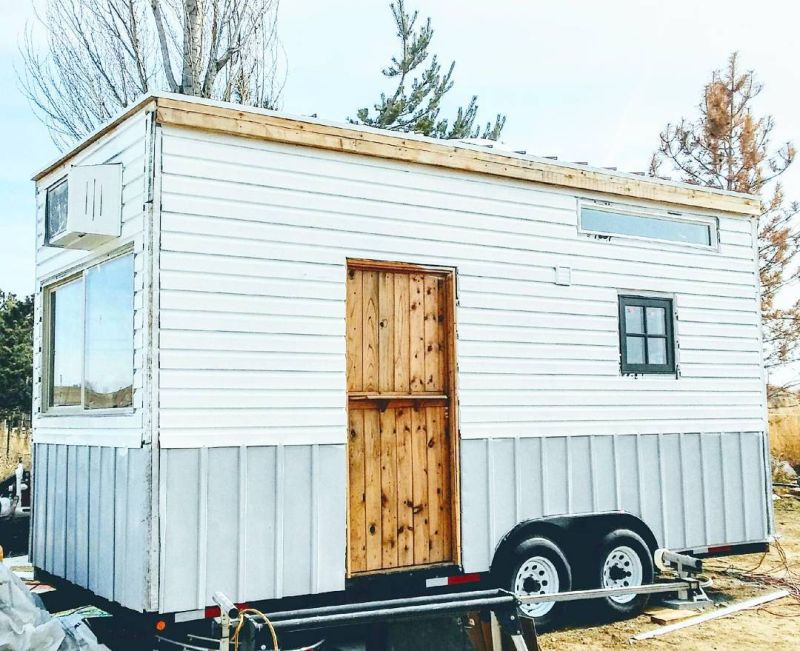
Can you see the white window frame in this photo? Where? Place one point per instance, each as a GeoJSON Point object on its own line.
{"type": "Point", "coordinates": [46, 408]}
{"type": "Point", "coordinates": [639, 211]}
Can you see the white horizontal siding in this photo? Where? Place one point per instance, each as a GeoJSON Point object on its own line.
{"type": "Point", "coordinates": [124, 145]}
{"type": "Point", "coordinates": [253, 248]}
{"type": "Point", "coordinates": [242, 164]}
{"type": "Point", "coordinates": [504, 250]}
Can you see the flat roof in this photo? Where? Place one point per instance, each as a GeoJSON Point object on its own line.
{"type": "Point", "coordinates": [261, 124]}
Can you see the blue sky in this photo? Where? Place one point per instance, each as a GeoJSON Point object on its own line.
{"type": "Point", "coordinates": [587, 81]}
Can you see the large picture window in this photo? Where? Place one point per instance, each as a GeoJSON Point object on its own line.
{"type": "Point", "coordinates": [91, 338]}
{"type": "Point", "coordinates": [646, 335]}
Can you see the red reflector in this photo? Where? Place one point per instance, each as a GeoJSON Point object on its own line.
{"type": "Point", "coordinates": [463, 578]}
{"type": "Point", "coordinates": [161, 625]}
{"type": "Point", "coordinates": [213, 611]}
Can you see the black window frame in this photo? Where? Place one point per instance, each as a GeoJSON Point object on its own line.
{"type": "Point", "coordinates": [669, 335]}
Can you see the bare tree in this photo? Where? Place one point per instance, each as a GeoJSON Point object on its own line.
{"type": "Point", "coordinates": [100, 55]}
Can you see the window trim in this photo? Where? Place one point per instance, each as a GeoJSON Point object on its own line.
{"type": "Point", "coordinates": [639, 211]}
{"type": "Point", "coordinates": [668, 305]}
{"type": "Point", "coordinates": [46, 366]}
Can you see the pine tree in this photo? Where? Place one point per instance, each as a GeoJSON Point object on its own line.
{"type": "Point", "coordinates": [415, 104]}
{"type": "Point", "coordinates": [16, 355]}
{"type": "Point", "coordinates": [729, 148]}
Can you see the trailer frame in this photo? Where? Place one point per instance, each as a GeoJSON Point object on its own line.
{"type": "Point", "coordinates": [503, 606]}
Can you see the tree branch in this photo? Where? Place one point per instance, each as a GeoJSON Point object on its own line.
{"type": "Point", "coordinates": [166, 63]}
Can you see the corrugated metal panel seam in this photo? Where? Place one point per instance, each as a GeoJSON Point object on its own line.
{"type": "Point", "coordinates": [657, 472]}
{"type": "Point", "coordinates": [273, 525]}
{"type": "Point", "coordinates": [88, 521]}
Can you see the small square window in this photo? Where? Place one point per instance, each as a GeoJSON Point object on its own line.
{"type": "Point", "coordinates": [646, 335]}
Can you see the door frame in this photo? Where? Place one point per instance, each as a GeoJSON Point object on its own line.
{"type": "Point", "coordinates": [451, 361]}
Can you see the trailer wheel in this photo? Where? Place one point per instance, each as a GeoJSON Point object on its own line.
{"type": "Point", "coordinates": [539, 567]}
{"type": "Point", "coordinates": [623, 560]}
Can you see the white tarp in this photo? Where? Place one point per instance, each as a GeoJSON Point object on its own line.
{"type": "Point", "coordinates": [26, 625]}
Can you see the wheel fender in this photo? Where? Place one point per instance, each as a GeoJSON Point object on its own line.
{"type": "Point", "coordinates": [570, 534]}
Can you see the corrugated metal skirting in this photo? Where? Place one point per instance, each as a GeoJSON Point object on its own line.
{"type": "Point", "coordinates": [91, 519]}
{"type": "Point", "coordinates": [255, 522]}
{"type": "Point", "coordinates": [264, 522]}
{"type": "Point", "coordinates": [693, 490]}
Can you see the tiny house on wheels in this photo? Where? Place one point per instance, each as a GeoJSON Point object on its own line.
{"type": "Point", "coordinates": [277, 357]}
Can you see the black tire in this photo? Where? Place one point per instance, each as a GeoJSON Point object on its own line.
{"type": "Point", "coordinates": [622, 570]}
{"type": "Point", "coordinates": [531, 560]}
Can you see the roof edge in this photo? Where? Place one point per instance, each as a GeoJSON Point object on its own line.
{"type": "Point", "coordinates": [140, 105]}
{"type": "Point", "coordinates": [250, 122]}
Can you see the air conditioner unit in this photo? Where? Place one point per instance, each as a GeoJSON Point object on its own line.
{"type": "Point", "coordinates": [85, 209]}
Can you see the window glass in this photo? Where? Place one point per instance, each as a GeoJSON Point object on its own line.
{"type": "Point", "coordinates": [109, 335]}
{"type": "Point", "coordinates": [91, 338]}
{"type": "Point", "coordinates": [56, 210]}
{"type": "Point", "coordinates": [656, 351]}
{"type": "Point", "coordinates": [66, 364]}
{"type": "Point", "coordinates": [635, 350]}
{"type": "Point", "coordinates": [633, 319]}
{"type": "Point", "coordinates": [658, 228]}
{"type": "Point", "coordinates": [656, 320]}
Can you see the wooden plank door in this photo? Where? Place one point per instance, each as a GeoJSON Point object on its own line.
{"type": "Point", "coordinates": [402, 444]}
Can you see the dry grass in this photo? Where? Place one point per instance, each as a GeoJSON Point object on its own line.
{"type": "Point", "coordinates": [784, 432]}
{"type": "Point", "coordinates": [784, 436]}
{"type": "Point", "coordinates": [18, 443]}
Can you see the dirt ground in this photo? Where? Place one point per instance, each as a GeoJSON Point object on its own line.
{"type": "Point", "coordinates": [775, 626]}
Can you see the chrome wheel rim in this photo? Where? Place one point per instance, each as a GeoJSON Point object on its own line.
{"type": "Point", "coordinates": [622, 568]}
{"type": "Point", "coordinates": [536, 576]}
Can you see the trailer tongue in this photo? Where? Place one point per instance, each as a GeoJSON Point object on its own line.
{"type": "Point", "coordinates": [249, 629]}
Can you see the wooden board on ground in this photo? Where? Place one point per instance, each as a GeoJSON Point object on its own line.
{"type": "Point", "coordinates": [669, 615]}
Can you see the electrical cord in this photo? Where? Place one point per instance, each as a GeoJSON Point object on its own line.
{"type": "Point", "coordinates": [782, 574]}
{"type": "Point", "coordinates": [253, 611]}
